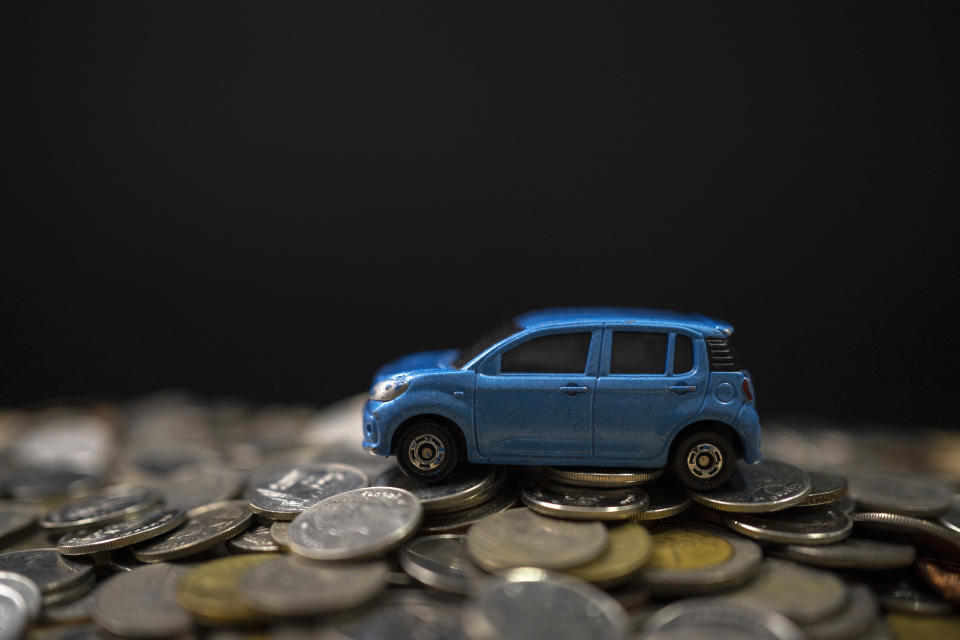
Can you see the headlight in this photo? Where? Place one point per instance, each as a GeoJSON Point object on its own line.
{"type": "Point", "coordinates": [388, 389]}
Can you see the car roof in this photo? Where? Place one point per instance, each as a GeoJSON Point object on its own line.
{"type": "Point", "coordinates": [594, 315]}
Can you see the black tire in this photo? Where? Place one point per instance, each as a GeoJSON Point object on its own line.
{"type": "Point", "coordinates": [704, 460]}
{"type": "Point", "coordinates": [428, 451]}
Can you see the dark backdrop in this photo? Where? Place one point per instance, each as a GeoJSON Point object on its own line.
{"type": "Point", "coordinates": [269, 200]}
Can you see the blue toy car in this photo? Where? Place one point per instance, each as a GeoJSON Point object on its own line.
{"type": "Point", "coordinates": [573, 387]}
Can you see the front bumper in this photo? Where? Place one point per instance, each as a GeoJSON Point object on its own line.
{"type": "Point", "coordinates": [373, 440]}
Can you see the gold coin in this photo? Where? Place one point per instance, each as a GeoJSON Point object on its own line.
{"type": "Point", "coordinates": [920, 627]}
{"type": "Point", "coordinates": [688, 549]}
{"type": "Point", "coordinates": [209, 592]}
{"type": "Point", "coordinates": [628, 549]}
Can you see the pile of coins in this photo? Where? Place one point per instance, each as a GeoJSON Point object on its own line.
{"type": "Point", "coordinates": [169, 518]}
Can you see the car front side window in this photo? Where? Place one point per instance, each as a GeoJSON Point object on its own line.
{"type": "Point", "coordinates": [553, 353]}
{"type": "Point", "coordinates": [639, 352]}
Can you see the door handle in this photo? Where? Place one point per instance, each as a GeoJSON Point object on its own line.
{"type": "Point", "coordinates": [682, 388]}
{"type": "Point", "coordinates": [572, 391]}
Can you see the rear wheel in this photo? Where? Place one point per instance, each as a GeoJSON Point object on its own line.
{"type": "Point", "coordinates": [704, 460]}
{"type": "Point", "coordinates": [428, 451]}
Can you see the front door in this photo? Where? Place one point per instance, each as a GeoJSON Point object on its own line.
{"type": "Point", "coordinates": [535, 398]}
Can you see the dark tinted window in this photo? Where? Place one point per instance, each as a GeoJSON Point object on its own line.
{"type": "Point", "coordinates": [555, 353]}
{"type": "Point", "coordinates": [682, 354]}
{"type": "Point", "coordinates": [500, 333]}
{"type": "Point", "coordinates": [638, 352]}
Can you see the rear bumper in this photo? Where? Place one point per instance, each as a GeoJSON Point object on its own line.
{"type": "Point", "coordinates": [747, 425]}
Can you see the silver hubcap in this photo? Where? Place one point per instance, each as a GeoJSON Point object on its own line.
{"type": "Point", "coordinates": [704, 461]}
{"type": "Point", "coordinates": [426, 452]}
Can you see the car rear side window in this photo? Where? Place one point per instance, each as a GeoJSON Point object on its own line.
{"type": "Point", "coordinates": [682, 354]}
{"type": "Point", "coordinates": [638, 352]}
{"type": "Point", "coordinates": [554, 353]}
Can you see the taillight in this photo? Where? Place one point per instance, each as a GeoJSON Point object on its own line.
{"type": "Point", "coordinates": [747, 391]}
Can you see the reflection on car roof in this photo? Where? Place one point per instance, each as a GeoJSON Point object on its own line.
{"type": "Point", "coordinates": [588, 315]}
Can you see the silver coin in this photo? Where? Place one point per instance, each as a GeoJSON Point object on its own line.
{"type": "Point", "coordinates": [463, 490]}
{"type": "Point", "coordinates": [14, 614]}
{"type": "Point", "coordinates": [769, 485]}
{"type": "Point", "coordinates": [254, 540]}
{"type": "Point", "coordinates": [441, 562]}
{"type": "Point", "coordinates": [909, 595]}
{"type": "Point", "coordinates": [72, 594]}
{"type": "Point", "coordinates": [280, 534]}
{"type": "Point", "coordinates": [802, 594]}
{"type": "Point", "coordinates": [522, 538]}
{"type": "Point", "coordinates": [714, 619]}
{"type": "Point", "coordinates": [142, 604]}
{"type": "Point", "coordinates": [400, 614]}
{"type": "Point", "coordinates": [602, 477]}
{"type": "Point", "coordinates": [107, 506]}
{"type": "Point", "coordinates": [193, 488]}
{"type": "Point", "coordinates": [288, 586]}
{"type": "Point", "coordinates": [356, 524]}
{"type": "Point", "coordinates": [28, 590]}
{"type": "Point", "coordinates": [76, 610]}
{"type": "Point", "coordinates": [951, 518]}
{"type": "Point", "coordinates": [582, 503]}
{"type": "Point", "coordinates": [824, 488]}
{"type": "Point", "coordinates": [15, 519]}
{"type": "Point", "coordinates": [858, 616]}
{"type": "Point", "coordinates": [205, 527]}
{"type": "Point", "coordinates": [852, 553]}
{"type": "Point", "coordinates": [822, 524]}
{"type": "Point", "coordinates": [284, 493]}
{"type": "Point", "coordinates": [460, 520]}
{"type": "Point", "coordinates": [925, 535]}
{"type": "Point", "coordinates": [666, 501]}
{"type": "Point", "coordinates": [533, 603]}
{"type": "Point", "coordinates": [845, 504]}
{"type": "Point", "coordinates": [121, 534]}
{"type": "Point", "coordinates": [48, 570]}
{"type": "Point", "coordinates": [906, 495]}
{"type": "Point", "coordinates": [38, 485]}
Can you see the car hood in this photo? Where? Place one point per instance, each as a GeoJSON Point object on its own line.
{"type": "Point", "coordinates": [417, 363]}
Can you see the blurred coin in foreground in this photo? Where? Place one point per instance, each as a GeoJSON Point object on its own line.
{"type": "Point", "coordinates": [289, 586]}
{"type": "Point", "coordinates": [711, 619]}
{"type": "Point", "coordinates": [121, 534]}
{"type": "Point", "coordinates": [581, 503]}
{"type": "Point", "coordinates": [600, 477]}
{"type": "Point", "coordinates": [441, 562]}
{"type": "Point", "coordinates": [104, 507]}
{"type": "Point", "coordinates": [15, 518]}
{"type": "Point", "coordinates": [142, 603]}
{"type": "Point", "coordinates": [356, 524]}
{"type": "Point", "coordinates": [254, 540]}
{"type": "Point", "coordinates": [27, 589]}
{"type": "Point", "coordinates": [951, 518]}
{"type": "Point", "coordinates": [852, 553]}
{"type": "Point", "coordinates": [280, 534]}
{"type": "Point", "coordinates": [769, 485]}
{"type": "Point", "coordinates": [205, 527]}
{"type": "Point", "coordinates": [906, 495]}
{"type": "Point", "coordinates": [462, 490]}
{"type": "Point", "coordinates": [928, 537]}
{"type": "Point", "coordinates": [48, 569]}
{"type": "Point", "coordinates": [533, 603]}
{"type": "Point", "coordinates": [283, 493]}
{"type": "Point", "coordinates": [923, 627]}
{"type": "Point", "coordinates": [210, 592]}
{"type": "Point", "coordinates": [192, 488]}
{"type": "Point", "coordinates": [824, 488]}
{"type": "Point", "coordinates": [823, 524]}
{"type": "Point", "coordinates": [14, 614]}
{"type": "Point", "coordinates": [856, 617]}
{"type": "Point", "coordinates": [666, 500]}
{"type": "Point", "coordinates": [907, 593]}
{"type": "Point", "coordinates": [400, 614]}
{"type": "Point", "coordinates": [629, 547]}
{"type": "Point", "coordinates": [943, 577]}
{"type": "Point", "coordinates": [522, 538]}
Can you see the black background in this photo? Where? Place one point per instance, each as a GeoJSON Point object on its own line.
{"type": "Point", "coordinates": [269, 200]}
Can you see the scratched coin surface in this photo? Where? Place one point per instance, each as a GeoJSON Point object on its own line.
{"type": "Point", "coordinates": [210, 592]}
{"type": "Point", "coordinates": [48, 569]}
{"type": "Point", "coordinates": [852, 553]}
{"type": "Point", "coordinates": [582, 503]}
{"type": "Point", "coordinates": [142, 603]}
{"type": "Point", "coordinates": [282, 494]}
{"type": "Point", "coordinates": [824, 488]}
{"type": "Point", "coordinates": [205, 527]}
{"type": "Point", "coordinates": [462, 490]}
{"type": "Point", "coordinates": [522, 538]}
{"type": "Point", "coordinates": [821, 524]}
{"type": "Point", "coordinates": [256, 539]}
{"type": "Point", "coordinates": [769, 485]}
{"type": "Point", "coordinates": [107, 506]}
{"type": "Point", "coordinates": [121, 534]}
{"type": "Point", "coordinates": [356, 524]}
{"type": "Point", "coordinates": [905, 495]}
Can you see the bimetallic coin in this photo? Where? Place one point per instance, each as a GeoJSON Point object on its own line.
{"type": "Point", "coordinates": [824, 488]}
{"type": "Point", "coordinates": [533, 603]}
{"type": "Point", "coordinates": [802, 594]}
{"type": "Point", "coordinates": [714, 619]}
{"type": "Point", "coordinates": [48, 570]}
{"type": "Point", "coordinates": [852, 553]}
{"type": "Point", "coordinates": [522, 538]}
{"type": "Point", "coordinates": [823, 524]}
{"type": "Point", "coordinates": [356, 524]}
{"type": "Point", "coordinates": [691, 559]}
{"type": "Point", "coordinates": [951, 518]}
{"type": "Point", "coordinates": [105, 507]}
{"type": "Point", "coordinates": [769, 485]}
{"type": "Point", "coordinates": [629, 547]}
{"type": "Point", "coordinates": [205, 527]}
{"type": "Point", "coordinates": [210, 592]}
{"type": "Point", "coordinates": [27, 589]}
{"type": "Point", "coordinates": [943, 577]}
{"type": "Point", "coordinates": [458, 521]}
{"type": "Point", "coordinates": [461, 491]}
{"type": "Point", "coordinates": [582, 503]}
{"type": "Point", "coordinates": [193, 488]}
{"type": "Point", "coordinates": [441, 562]}
{"type": "Point", "coordinates": [280, 534]}
{"type": "Point", "coordinates": [602, 477]}
{"type": "Point", "coordinates": [15, 519]}
{"type": "Point", "coordinates": [927, 536]}
{"type": "Point", "coordinates": [254, 540]}
{"type": "Point", "coordinates": [284, 493]}
{"type": "Point", "coordinates": [142, 604]}
{"type": "Point", "coordinates": [121, 534]}
{"type": "Point", "coordinates": [905, 495]}
{"type": "Point", "coordinates": [288, 586]}
{"type": "Point", "coordinates": [666, 500]}
{"type": "Point", "coordinates": [14, 614]}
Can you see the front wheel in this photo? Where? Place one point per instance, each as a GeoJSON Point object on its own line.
{"type": "Point", "coordinates": [428, 452]}
{"type": "Point", "coordinates": [704, 460]}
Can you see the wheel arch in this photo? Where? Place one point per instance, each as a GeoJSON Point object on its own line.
{"type": "Point", "coordinates": [712, 426]}
{"type": "Point", "coordinates": [429, 417]}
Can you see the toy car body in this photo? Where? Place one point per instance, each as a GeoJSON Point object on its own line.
{"type": "Point", "coordinates": [573, 387]}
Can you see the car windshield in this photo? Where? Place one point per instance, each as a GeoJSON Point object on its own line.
{"type": "Point", "coordinates": [505, 330]}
